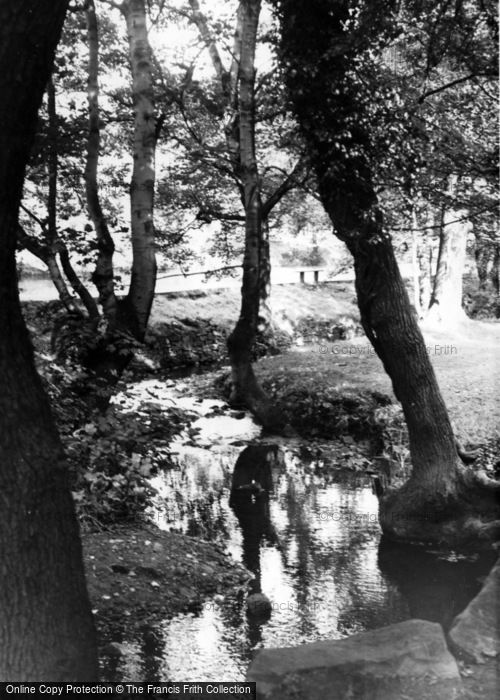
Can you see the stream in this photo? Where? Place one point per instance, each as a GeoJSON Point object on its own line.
{"type": "Point", "coordinates": [309, 533]}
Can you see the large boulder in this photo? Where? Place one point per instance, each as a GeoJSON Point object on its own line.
{"type": "Point", "coordinates": [475, 633]}
{"type": "Point", "coordinates": [408, 660]}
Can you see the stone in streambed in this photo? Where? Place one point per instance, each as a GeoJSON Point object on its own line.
{"type": "Point", "coordinates": [475, 633]}
{"type": "Point", "coordinates": [408, 660]}
{"type": "Point", "coordinates": [259, 606]}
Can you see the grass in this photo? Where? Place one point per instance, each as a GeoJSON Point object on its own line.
{"type": "Point", "coordinates": [222, 306]}
{"type": "Point", "coordinates": [465, 360]}
{"type": "Point", "coordinates": [469, 378]}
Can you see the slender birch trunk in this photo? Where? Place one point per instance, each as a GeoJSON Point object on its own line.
{"type": "Point", "coordinates": [139, 299]}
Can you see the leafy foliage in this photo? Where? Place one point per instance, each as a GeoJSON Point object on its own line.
{"type": "Point", "coordinates": [111, 455]}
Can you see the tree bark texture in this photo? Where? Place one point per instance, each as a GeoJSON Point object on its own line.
{"type": "Point", "coordinates": [142, 285]}
{"type": "Point", "coordinates": [46, 627]}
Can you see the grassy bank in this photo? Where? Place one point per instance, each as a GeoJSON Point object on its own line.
{"type": "Point", "coordinates": [292, 302]}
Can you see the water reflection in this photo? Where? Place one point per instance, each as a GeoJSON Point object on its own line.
{"type": "Point", "coordinates": [251, 485]}
{"type": "Point", "coordinates": [436, 586]}
{"type": "Point", "coordinates": [310, 535]}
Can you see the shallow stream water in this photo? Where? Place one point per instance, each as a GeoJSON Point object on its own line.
{"type": "Point", "coordinates": [310, 535]}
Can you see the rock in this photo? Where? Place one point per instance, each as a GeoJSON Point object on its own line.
{"type": "Point", "coordinates": [113, 650]}
{"type": "Point", "coordinates": [475, 633]}
{"type": "Point", "coordinates": [408, 660]}
{"type": "Point", "coordinates": [120, 569]}
{"type": "Point", "coordinates": [259, 605]}
{"type": "Point", "coordinates": [239, 415]}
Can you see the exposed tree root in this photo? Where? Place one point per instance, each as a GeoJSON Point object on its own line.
{"type": "Point", "coordinates": [460, 514]}
{"type": "Point", "coordinates": [247, 393]}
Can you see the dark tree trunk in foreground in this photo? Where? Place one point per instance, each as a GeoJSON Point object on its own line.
{"type": "Point", "coordinates": [46, 627]}
{"type": "Point", "coordinates": [318, 56]}
{"type": "Point", "coordinates": [245, 388]}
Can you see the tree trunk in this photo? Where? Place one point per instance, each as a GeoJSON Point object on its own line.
{"type": "Point", "coordinates": [54, 245]}
{"type": "Point", "coordinates": [424, 255]}
{"type": "Point", "coordinates": [482, 256]}
{"type": "Point", "coordinates": [46, 627]}
{"type": "Point", "coordinates": [317, 56]}
{"type": "Point", "coordinates": [103, 275]}
{"type": "Point", "coordinates": [231, 87]}
{"type": "Point", "coordinates": [245, 388]}
{"type": "Point", "coordinates": [265, 320]}
{"type": "Point", "coordinates": [446, 300]}
{"type": "Point", "coordinates": [495, 269]}
{"type": "Point", "coordinates": [59, 283]}
{"type": "Point", "coordinates": [75, 282]}
{"type": "Point", "coordinates": [138, 302]}
{"type": "Point", "coordinates": [49, 258]}
{"type": "Point", "coordinates": [415, 263]}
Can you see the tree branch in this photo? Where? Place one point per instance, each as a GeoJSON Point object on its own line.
{"type": "Point", "coordinates": [199, 19]}
{"type": "Point", "coordinates": [441, 88]}
{"type": "Point", "coordinates": [42, 224]}
{"type": "Point", "coordinates": [291, 181]}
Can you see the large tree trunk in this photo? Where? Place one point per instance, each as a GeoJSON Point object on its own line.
{"type": "Point", "coordinates": [317, 55]}
{"type": "Point", "coordinates": [46, 627]}
{"type": "Point", "coordinates": [103, 275]}
{"type": "Point", "coordinates": [137, 304]}
{"type": "Point", "coordinates": [446, 300]}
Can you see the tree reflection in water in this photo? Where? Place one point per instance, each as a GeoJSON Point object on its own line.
{"type": "Point", "coordinates": [309, 533]}
{"type": "Point", "coordinates": [436, 585]}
